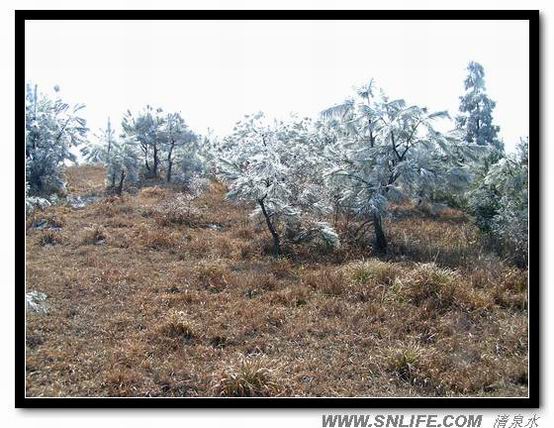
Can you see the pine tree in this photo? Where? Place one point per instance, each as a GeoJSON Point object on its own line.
{"type": "Point", "coordinates": [99, 152]}
{"type": "Point", "coordinates": [476, 108]}
{"type": "Point", "coordinates": [386, 150]}
{"type": "Point", "coordinates": [499, 202]}
{"type": "Point", "coordinates": [179, 144]}
{"type": "Point", "coordinates": [123, 166]}
{"type": "Point", "coordinates": [53, 128]}
{"type": "Point", "coordinates": [146, 129]}
{"type": "Point", "coordinates": [276, 167]}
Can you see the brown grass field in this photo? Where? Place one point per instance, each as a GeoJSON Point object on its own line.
{"type": "Point", "coordinates": [146, 300]}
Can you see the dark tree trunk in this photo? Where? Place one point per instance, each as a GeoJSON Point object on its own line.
{"type": "Point", "coordinates": [36, 182]}
{"type": "Point", "coordinates": [156, 162]}
{"type": "Point", "coordinates": [169, 167]}
{"type": "Point", "coordinates": [121, 180]}
{"type": "Point", "coordinates": [109, 132]}
{"type": "Point", "coordinates": [146, 160]}
{"type": "Point", "coordinates": [170, 162]}
{"type": "Point", "coordinates": [276, 241]}
{"type": "Point", "coordinates": [380, 238]}
{"type": "Point", "coordinates": [144, 148]}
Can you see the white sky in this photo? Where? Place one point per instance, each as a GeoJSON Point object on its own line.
{"type": "Point", "coordinates": [214, 72]}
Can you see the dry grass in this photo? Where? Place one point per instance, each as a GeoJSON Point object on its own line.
{"type": "Point", "coordinates": [253, 376]}
{"type": "Point", "coordinates": [140, 306]}
{"type": "Point", "coordinates": [94, 235]}
{"type": "Point", "coordinates": [85, 179]}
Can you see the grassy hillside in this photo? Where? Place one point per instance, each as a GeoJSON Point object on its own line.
{"type": "Point", "coordinates": [155, 295]}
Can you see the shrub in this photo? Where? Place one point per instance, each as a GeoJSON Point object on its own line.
{"type": "Point", "coordinates": [32, 203]}
{"type": "Point", "coordinates": [94, 235]}
{"type": "Point", "coordinates": [197, 185]}
{"type": "Point", "coordinates": [176, 324]}
{"type": "Point", "coordinates": [49, 237]}
{"type": "Point", "coordinates": [428, 282]}
{"type": "Point", "coordinates": [212, 275]}
{"type": "Point", "coordinates": [179, 210]}
{"type": "Point", "coordinates": [248, 377]}
{"type": "Point", "coordinates": [153, 192]}
{"type": "Point", "coordinates": [160, 240]}
{"type": "Point", "coordinates": [403, 361]}
{"type": "Point", "coordinates": [373, 270]}
{"type": "Point", "coordinates": [327, 281]}
{"type": "Point", "coordinates": [298, 296]}
{"type": "Point", "coordinates": [441, 288]}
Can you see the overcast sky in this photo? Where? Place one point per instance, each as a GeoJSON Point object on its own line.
{"type": "Point", "coordinates": [214, 72]}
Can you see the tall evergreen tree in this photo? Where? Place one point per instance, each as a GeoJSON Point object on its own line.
{"type": "Point", "coordinates": [475, 119]}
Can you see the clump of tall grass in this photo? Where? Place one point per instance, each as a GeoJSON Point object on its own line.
{"type": "Point", "coordinates": [253, 376]}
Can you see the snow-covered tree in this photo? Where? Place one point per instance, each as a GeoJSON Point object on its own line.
{"type": "Point", "coordinates": [209, 149]}
{"type": "Point", "coordinates": [387, 150]}
{"type": "Point", "coordinates": [123, 165]}
{"type": "Point", "coordinates": [190, 163]}
{"type": "Point", "coordinates": [500, 202]}
{"type": "Point", "coordinates": [475, 119]}
{"type": "Point", "coordinates": [99, 152]}
{"type": "Point", "coordinates": [179, 144]}
{"type": "Point", "coordinates": [271, 165]}
{"type": "Point", "coordinates": [146, 129]}
{"type": "Point", "coordinates": [53, 128]}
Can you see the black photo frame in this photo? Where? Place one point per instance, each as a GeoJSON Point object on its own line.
{"type": "Point", "coordinates": [532, 401]}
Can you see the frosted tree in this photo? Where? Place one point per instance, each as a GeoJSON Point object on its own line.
{"type": "Point", "coordinates": [100, 151]}
{"type": "Point", "coordinates": [387, 150]}
{"type": "Point", "coordinates": [147, 130]}
{"type": "Point", "coordinates": [500, 202]}
{"type": "Point", "coordinates": [209, 148]}
{"type": "Point", "coordinates": [267, 164]}
{"type": "Point", "coordinates": [53, 128]}
{"type": "Point", "coordinates": [122, 166]}
{"type": "Point", "coordinates": [190, 162]}
{"type": "Point", "coordinates": [179, 143]}
{"type": "Point", "coordinates": [475, 119]}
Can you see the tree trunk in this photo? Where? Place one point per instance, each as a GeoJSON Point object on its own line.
{"type": "Point", "coordinates": [109, 132]}
{"type": "Point", "coordinates": [120, 186]}
{"type": "Point", "coordinates": [380, 238]}
{"type": "Point", "coordinates": [276, 241]}
{"type": "Point", "coordinates": [145, 150]}
{"type": "Point", "coordinates": [169, 167]}
{"type": "Point", "coordinates": [156, 161]}
{"type": "Point", "coordinates": [170, 162]}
